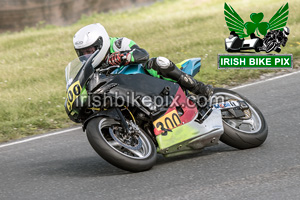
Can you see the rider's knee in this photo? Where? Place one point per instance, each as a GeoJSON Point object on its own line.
{"type": "Point", "coordinates": [163, 63]}
{"type": "Point", "coordinates": [160, 64]}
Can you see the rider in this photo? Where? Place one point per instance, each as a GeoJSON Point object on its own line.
{"type": "Point", "coordinates": [280, 35]}
{"type": "Point", "coordinates": [116, 51]}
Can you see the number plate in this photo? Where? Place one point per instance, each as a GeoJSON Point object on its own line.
{"type": "Point", "coordinates": [226, 105]}
{"type": "Point", "coordinates": [73, 92]}
{"type": "Point", "coordinates": [168, 121]}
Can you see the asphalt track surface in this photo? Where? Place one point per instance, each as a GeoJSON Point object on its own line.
{"type": "Point", "coordinates": [62, 165]}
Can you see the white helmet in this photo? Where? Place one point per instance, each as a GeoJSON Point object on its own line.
{"type": "Point", "coordinates": [93, 35]}
{"type": "Point", "coordinates": [286, 31]}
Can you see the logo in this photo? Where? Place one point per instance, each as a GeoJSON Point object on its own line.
{"type": "Point", "coordinates": [118, 43]}
{"type": "Point", "coordinates": [272, 41]}
{"type": "Point", "coordinates": [265, 36]}
{"type": "Point", "coordinates": [78, 42]}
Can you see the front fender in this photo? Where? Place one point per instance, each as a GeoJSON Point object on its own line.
{"type": "Point", "coordinates": [111, 113]}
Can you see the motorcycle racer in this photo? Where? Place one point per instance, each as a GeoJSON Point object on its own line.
{"type": "Point", "coordinates": [280, 35]}
{"type": "Point", "coordinates": [123, 51]}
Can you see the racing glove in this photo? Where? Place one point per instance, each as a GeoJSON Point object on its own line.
{"type": "Point", "coordinates": [118, 58]}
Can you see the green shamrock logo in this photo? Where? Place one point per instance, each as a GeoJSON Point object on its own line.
{"type": "Point", "coordinates": [256, 23]}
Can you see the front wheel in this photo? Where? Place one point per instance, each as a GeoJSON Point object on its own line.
{"type": "Point", "coordinates": [270, 46]}
{"type": "Point", "coordinates": [245, 132]}
{"type": "Point", "coordinates": [133, 151]}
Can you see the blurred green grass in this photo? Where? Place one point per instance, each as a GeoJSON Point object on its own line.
{"type": "Point", "coordinates": [32, 62]}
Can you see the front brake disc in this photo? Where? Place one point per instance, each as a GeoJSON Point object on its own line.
{"type": "Point", "coordinates": [136, 146]}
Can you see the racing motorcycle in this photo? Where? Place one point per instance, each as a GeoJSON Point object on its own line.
{"type": "Point", "coordinates": [235, 44]}
{"type": "Point", "coordinates": [272, 44]}
{"type": "Point", "coordinates": [130, 117]}
{"type": "Point", "coordinates": [274, 39]}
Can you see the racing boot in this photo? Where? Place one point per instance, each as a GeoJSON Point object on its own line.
{"type": "Point", "coordinates": [195, 86]}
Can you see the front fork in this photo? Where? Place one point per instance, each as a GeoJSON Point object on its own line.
{"type": "Point", "coordinates": [123, 121]}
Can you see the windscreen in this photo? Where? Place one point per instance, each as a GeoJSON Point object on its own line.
{"type": "Point", "coordinates": [73, 68]}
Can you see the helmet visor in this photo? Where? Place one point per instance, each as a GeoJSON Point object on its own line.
{"type": "Point", "coordinates": [90, 49]}
{"type": "Point", "coordinates": [87, 50]}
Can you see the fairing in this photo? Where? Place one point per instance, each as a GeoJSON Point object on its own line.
{"type": "Point", "coordinates": [192, 136]}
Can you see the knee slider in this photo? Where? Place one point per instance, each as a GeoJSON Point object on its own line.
{"type": "Point", "coordinates": [163, 62]}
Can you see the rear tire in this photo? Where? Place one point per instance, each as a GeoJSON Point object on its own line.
{"type": "Point", "coordinates": [117, 154]}
{"type": "Point", "coordinates": [241, 139]}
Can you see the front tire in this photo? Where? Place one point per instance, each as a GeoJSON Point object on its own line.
{"type": "Point", "coordinates": [132, 157]}
{"type": "Point", "coordinates": [270, 46]}
{"type": "Point", "coordinates": [243, 134]}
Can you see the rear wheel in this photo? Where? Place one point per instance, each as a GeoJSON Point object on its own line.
{"type": "Point", "coordinates": [133, 151]}
{"type": "Point", "coordinates": [245, 132]}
